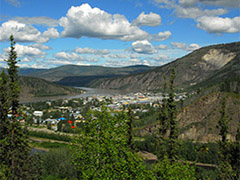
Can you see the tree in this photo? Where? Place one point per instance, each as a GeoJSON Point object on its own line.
{"type": "Point", "coordinates": [228, 165]}
{"type": "Point", "coordinates": [168, 170]}
{"type": "Point", "coordinates": [101, 150]}
{"type": "Point", "coordinates": [168, 145]}
{"type": "Point", "coordinates": [14, 144]}
{"type": "Point", "coordinates": [163, 124]}
{"type": "Point", "coordinates": [223, 122]}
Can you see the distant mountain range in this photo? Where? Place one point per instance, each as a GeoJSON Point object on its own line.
{"type": "Point", "coordinates": [205, 66]}
{"type": "Point", "coordinates": [74, 75]}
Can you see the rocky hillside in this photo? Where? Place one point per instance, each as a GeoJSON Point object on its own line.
{"type": "Point", "coordinates": [34, 89]}
{"type": "Point", "coordinates": [198, 120]}
{"type": "Point", "coordinates": [190, 69]}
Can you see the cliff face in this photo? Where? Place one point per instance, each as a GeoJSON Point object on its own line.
{"type": "Point", "coordinates": [190, 69]}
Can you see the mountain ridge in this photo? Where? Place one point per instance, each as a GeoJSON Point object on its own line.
{"type": "Point", "coordinates": [191, 69]}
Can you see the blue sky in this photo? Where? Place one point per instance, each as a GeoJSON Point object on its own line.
{"type": "Point", "coordinates": [51, 33]}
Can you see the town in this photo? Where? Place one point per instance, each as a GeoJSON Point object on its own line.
{"type": "Point", "coordinates": [64, 115]}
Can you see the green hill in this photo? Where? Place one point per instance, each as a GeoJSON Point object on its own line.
{"type": "Point", "coordinates": [34, 89]}
{"type": "Point", "coordinates": [66, 71]}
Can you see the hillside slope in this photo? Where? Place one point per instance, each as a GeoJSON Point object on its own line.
{"type": "Point", "coordinates": [33, 89]}
{"type": "Point", "coordinates": [68, 71]}
{"type": "Point", "coordinates": [198, 120]}
{"type": "Point", "coordinates": [190, 69]}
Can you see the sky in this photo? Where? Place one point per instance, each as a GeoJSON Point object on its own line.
{"type": "Point", "coordinates": [113, 33]}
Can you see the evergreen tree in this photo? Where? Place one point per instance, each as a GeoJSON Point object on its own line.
{"type": "Point", "coordinates": [223, 122]}
{"type": "Point", "coordinates": [172, 111]}
{"type": "Point", "coordinates": [163, 124]}
{"type": "Point", "coordinates": [4, 125]}
{"type": "Point", "coordinates": [14, 144]}
{"type": "Point", "coordinates": [129, 124]}
{"type": "Point", "coordinates": [168, 145]}
{"type": "Point", "coordinates": [226, 148]}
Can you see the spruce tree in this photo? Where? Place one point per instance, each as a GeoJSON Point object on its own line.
{"type": "Point", "coordinates": [172, 111]}
{"type": "Point", "coordinates": [163, 124]}
{"type": "Point", "coordinates": [14, 149]}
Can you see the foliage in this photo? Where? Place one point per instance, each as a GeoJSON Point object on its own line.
{"type": "Point", "coordinates": [14, 151]}
{"type": "Point", "coordinates": [57, 163]}
{"type": "Point", "coordinates": [53, 136]}
{"type": "Point", "coordinates": [101, 150]}
{"type": "Point", "coordinates": [167, 170]}
{"type": "Point", "coordinates": [167, 145]}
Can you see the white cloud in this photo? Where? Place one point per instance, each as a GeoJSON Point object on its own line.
{"type": "Point", "coordinates": [161, 46]}
{"type": "Point", "coordinates": [187, 2]}
{"type": "Point", "coordinates": [193, 47]}
{"type": "Point", "coordinates": [91, 51]}
{"type": "Point", "coordinates": [121, 63]}
{"type": "Point", "coordinates": [26, 51]}
{"type": "Point", "coordinates": [183, 46]}
{"type": "Point", "coordinates": [151, 19]}
{"type": "Point", "coordinates": [56, 62]}
{"type": "Point", "coordinates": [161, 57]}
{"type": "Point", "coordinates": [40, 46]}
{"type": "Point", "coordinates": [161, 36]}
{"type": "Point", "coordinates": [51, 33]}
{"type": "Point", "coordinates": [93, 22]}
{"type": "Point", "coordinates": [21, 32]}
{"type": "Point", "coordinates": [69, 57]}
{"type": "Point", "coordinates": [117, 56]}
{"type": "Point", "coordinates": [224, 3]}
{"type": "Point", "coordinates": [219, 25]}
{"type": "Point", "coordinates": [144, 47]}
{"type": "Point", "coordinates": [134, 56]}
{"type": "Point", "coordinates": [42, 20]}
{"type": "Point", "coordinates": [195, 12]}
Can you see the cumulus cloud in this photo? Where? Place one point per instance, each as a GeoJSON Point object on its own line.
{"type": "Point", "coordinates": [144, 47]}
{"type": "Point", "coordinates": [161, 36]}
{"type": "Point", "coordinates": [117, 56]}
{"type": "Point", "coordinates": [40, 46]}
{"type": "Point", "coordinates": [26, 51]}
{"type": "Point", "coordinates": [161, 47]}
{"type": "Point", "coordinates": [42, 20]}
{"type": "Point", "coordinates": [161, 57]}
{"type": "Point", "coordinates": [93, 22]}
{"type": "Point", "coordinates": [51, 33]}
{"type": "Point", "coordinates": [121, 63]}
{"type": "Point", "coordinates": [187, 2]}
{"type": "Point", "coordinates": [69, 57]}
{"type": "Point", "coordinates": [91, 51]}
{"type": "Point", "coordinates": [195, 12]}
{"type": "Point", "coordinates": [21, 32]}
{"type": "Point", "coordinates": [219, 25]}
{"type": "Point", "coordinates": [183, 46]}
{"type": "Point", "coordinates": [150, 19]}
{"type": "Point", "coordinates": [224, 3]}
{"type": "Point", "coordinates": [207, 18]}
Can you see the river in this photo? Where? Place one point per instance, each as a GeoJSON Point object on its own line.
{"type": "Point", "coordinates": [89, 92]}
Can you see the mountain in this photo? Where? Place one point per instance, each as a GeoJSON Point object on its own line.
{"type": "Point", "coordinates": [25, 71]}
{"type": "Point", "coordinates": [34, 89]}
{"type": "Point", "coordinates": [214, 62]}
{"type": "Point", "coordinates": [68, 71]}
